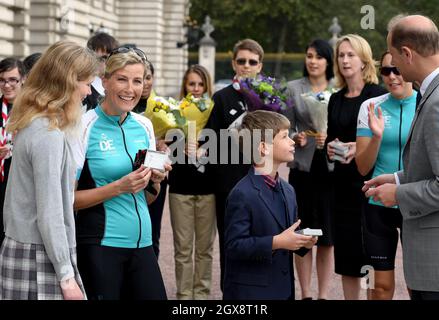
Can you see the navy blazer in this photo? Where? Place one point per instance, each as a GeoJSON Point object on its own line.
{"type": "Point", "coordinates": [253, 270]}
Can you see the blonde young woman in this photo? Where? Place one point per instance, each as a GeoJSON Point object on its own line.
{"type": "Point", "coordinates": [38, 258]}
{"type": "Point", "coordinates": [192, 207]}
{"type": "Point", "coordinates": [355, 74]}
{"type": "Point", "coordinates": [115, 253]}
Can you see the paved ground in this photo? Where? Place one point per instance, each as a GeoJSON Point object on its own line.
{"type": "Point", "coordinates": [167, 267]}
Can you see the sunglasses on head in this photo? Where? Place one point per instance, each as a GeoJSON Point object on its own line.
{"type": "Point", "coordinates": [137, 51]}
{"type": "Point", "coordinates": [385, 71]}
{"type": "Point", "coordinates": [251, 62]}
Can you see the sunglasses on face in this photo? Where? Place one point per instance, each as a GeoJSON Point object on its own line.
{"type": "Point", "coordinates": [137, 51]}
{"type": "Point", "coordinates": [385, 71]}
{"type": "Point", "coordinates": [242, 62]}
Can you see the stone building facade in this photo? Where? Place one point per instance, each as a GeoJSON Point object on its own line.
{"type": "Point", "coordinates": [155, 26]}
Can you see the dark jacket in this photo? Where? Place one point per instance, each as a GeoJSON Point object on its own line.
{"type": "Point", "coordinates": [342, 124]}
{"type": "Point", "coordinates": [229, 105]}
{"type": "Point", "coordinates": [3, 184]}
{"type": "Point", "coordinates": [253, 269]}
{"type": "Point", "coordinates": [92, 100]}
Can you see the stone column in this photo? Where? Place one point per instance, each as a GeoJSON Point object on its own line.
{"type": "Point", "coordinates": [175, 60]}
{"type": "Point", "coordinates": [207, 49]}
{"type": "Point", "coordinates": [53, 20]}
{"type": "Point", "coordinates": [20, 25]}
{"type": "Point", "coordinates": [155, 26]}
{"type": "Point", "coordinates": [14, 35]}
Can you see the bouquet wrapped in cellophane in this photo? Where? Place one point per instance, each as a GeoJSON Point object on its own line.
{"type": "Point", "coordinates": [197, 110]}
{"type": "Point", "coordinates": [265, 93]}
{"type": "Point", "coordinates": [164, 115]}
{"type": "Point", "coordinates": [317, 104]}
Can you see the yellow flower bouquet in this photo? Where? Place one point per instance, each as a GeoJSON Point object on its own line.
{"type": "Point", "coordinates": [197, 110]}
{"type": "Point", "coordinates": [164, 115]}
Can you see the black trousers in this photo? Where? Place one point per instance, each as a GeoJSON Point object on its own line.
{"type": "Point", "coordinates": [156, 214]}
{"type": "Point", "coordinates": [424, 295]}
{"type": "Point", "coordinates": [110, 273]}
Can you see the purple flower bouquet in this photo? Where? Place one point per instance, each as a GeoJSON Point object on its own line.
{"type": "Point", "coordinates": [265, 93]}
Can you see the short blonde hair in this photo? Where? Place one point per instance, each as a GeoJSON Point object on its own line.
{"type": "Point", "coordinates": [50, 89]}
{"type": "Point", "coordinates": [363, 50]}
{"type": "Point", "coordinates": [118, 61]}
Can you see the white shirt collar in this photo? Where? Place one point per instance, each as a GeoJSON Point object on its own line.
{"type": "Point", "coordinates": [97, 84]}
{"type": "Point", "coordinates": [428, 80]}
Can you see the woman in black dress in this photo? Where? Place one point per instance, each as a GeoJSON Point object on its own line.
{"type": "Point", "coordinates": [355, 74]}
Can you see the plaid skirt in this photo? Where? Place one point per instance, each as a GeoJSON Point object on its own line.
{"type": "Point", "coordinates": [26, 272]}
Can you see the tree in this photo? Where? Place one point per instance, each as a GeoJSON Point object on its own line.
{"type": "Point", "coordinates": [289, 25]}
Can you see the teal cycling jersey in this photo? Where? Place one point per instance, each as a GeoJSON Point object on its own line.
{"type": "Point", "coordinates": [398, 116]}
{"type": "Point", "coordinates": [104, 154]}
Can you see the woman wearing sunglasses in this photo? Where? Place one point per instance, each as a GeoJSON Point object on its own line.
{"type": "Point", "coordinates": [115, 253]}
{"type": "Point", "coordinates": [383, 126]}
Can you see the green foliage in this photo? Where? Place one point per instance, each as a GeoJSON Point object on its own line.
{"type": "Point", "coordinates": [288, 25]}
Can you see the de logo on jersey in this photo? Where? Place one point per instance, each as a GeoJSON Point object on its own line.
{"type": "Point", "coordinates": [106, 144]}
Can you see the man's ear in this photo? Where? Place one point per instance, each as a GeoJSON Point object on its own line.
{"type": "Point", "coordinates": [407, 54]}
{"type": "Point", "coordinates": [261, 65]}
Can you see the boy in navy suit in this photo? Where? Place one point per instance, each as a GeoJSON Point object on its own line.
{"type": "Point", "coordinates": [260, 220]}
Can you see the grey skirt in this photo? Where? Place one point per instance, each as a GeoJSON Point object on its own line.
{"type": "Point", "coordinates": [26, 272]}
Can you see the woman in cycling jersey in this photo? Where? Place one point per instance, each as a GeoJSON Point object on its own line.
{"type": "Point", "coordinates": [383, 127]}
{"type": "Point", "coordinates": [115, 253]}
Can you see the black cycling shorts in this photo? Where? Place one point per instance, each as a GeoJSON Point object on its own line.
{"type": "Point", "coordinates": [110, 273]}
{"type": "Point", "coordinates": [380, 235]}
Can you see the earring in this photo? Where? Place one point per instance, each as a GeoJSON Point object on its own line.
{"type": "Point", "coordinates": [362, 67]}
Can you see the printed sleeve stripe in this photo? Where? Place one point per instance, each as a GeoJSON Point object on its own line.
{"type": "Point", "coordinates": [364, 132]}
{"type": "Point", "coordinates": [87, 122]}
{"type": "Point", "coordinates": [146, 124]}
{"type": "Point", "coordinates": [363, 114]}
